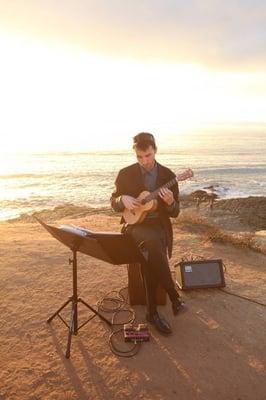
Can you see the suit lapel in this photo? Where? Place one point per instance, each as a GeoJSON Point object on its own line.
{"type": "Point", "coordinates": [160, 176]}
{"type": "Point", "coordinates": [138, 179]}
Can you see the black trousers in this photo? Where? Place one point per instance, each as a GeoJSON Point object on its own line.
{"type": "Point", "coordinates": [156, 270]}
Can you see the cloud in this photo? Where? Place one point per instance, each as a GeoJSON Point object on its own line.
{"type": "Point", "coordinates": [227, 35]}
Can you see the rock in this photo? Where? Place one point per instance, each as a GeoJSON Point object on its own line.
{"type": "Point", "coordinates": [250, 210]}
{"type": "Point", "coordinates": [260, 239]}
{"type": "Point", "coordinates": [202, 195]}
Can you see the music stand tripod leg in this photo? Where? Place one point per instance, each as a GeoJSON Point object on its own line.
{"type": "Point", "coordinates": [58, 311]}
{"type": "Point", "coordinates": [71, 329]}
{"type": "Point", "coordinates": [95, 312]}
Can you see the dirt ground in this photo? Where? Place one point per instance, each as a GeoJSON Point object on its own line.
{"type": "Point", "coordinates": [217, 349]}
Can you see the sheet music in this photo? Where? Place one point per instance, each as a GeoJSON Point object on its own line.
{"type": "Point", "coordinates": [113, 247]}
{"type": "Point", "coordinates": [86, 232]}
{"type": "Point", "coordinates": [75, 229]}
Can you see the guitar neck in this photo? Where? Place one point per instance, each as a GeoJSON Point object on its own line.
{"type": "Point", "coordinates": [155, 193]}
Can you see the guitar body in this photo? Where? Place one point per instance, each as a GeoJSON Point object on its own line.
{"type": "Point", "coordinates": [137, 216]}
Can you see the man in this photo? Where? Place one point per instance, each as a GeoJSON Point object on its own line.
{"type": "Point", "coordinates": [156, 229]}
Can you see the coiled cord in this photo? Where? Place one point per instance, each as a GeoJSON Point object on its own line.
{"type": "Point", "coordinates": [116, 303]}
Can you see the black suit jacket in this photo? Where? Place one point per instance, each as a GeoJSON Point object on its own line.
{"type": "Point", "coordinates": [129, 181]}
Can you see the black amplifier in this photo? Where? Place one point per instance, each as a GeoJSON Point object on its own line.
{"type": "Point", "coordinates": [200, 274]}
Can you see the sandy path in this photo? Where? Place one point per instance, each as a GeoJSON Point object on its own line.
{"type": "Point", "coordinates": [217, 351]}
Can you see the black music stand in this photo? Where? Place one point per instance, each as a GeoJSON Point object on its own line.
{"type": "Point", "coordinates": [115, 248]}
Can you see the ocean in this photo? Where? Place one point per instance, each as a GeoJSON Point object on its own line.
{"type": "Point", "coordinates": [233, 165]}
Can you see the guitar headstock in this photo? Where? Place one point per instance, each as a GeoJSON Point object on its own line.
{"type": "Point", "coordinates": [188, 173]}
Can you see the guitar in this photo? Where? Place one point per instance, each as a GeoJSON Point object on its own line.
{"type": "Point", "coordinates": [149, 202]}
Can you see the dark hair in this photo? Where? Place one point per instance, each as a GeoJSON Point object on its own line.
{"type": "Point", "coordinates": [143, 140]}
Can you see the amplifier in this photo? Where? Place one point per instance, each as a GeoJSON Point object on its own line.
{"type": "Point", "coordinates": [200, 274]}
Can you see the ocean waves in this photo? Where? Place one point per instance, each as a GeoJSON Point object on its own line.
{"type": "Point", "coordinates": [258, 169]}
{"type": "Point", "coordinates": [36, 182]}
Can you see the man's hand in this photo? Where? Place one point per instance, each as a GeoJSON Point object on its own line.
{"type": "Point", "coordinates": [167, 196]}
{"type": "Point", "coordinates": [130, 202]}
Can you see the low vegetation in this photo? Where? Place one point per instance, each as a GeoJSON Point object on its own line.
{"type": "Point", "coordinates": [217, 234]}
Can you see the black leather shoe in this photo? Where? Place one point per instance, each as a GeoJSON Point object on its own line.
{"type": "Point", "coordinates": [177, 305]}
{"type": "Point", "coordinates": [159, 322]}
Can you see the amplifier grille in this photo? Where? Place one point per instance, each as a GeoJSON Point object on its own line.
{"type": "Point", "coordinates": [200, 274]}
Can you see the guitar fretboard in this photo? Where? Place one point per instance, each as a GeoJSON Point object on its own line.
{"type": "Point", "coordinates": [154, 194]}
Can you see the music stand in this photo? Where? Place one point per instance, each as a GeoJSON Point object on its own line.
{"type": "Point", "coordinates": [115, 248]}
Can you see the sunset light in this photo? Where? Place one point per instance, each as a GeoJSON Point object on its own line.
{"type": "Point", "coordinates": [61, 97]}
{"type": "Point", "coordinates": [132, 190]}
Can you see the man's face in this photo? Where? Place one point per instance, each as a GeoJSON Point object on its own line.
{"type": "Point", "coordinates": [146, 158]}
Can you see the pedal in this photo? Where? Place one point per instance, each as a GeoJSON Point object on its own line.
{"type": "Point", "coordinates": [136, 334]}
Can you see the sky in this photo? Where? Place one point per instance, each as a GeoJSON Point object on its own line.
{"type": "Point", "coordinates": [88, 75]}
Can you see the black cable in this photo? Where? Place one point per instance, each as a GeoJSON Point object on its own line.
{"type": "Point", "coordinates": [242, 297]}
{"type": "Point", "coordinates": [238, 295]}
{"type": "Point", "coordinates": [120, 302]}
{"type": "Point", "coordinates": [123, 353]}
{"type": "Point", "coordinates": [194, 258]}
